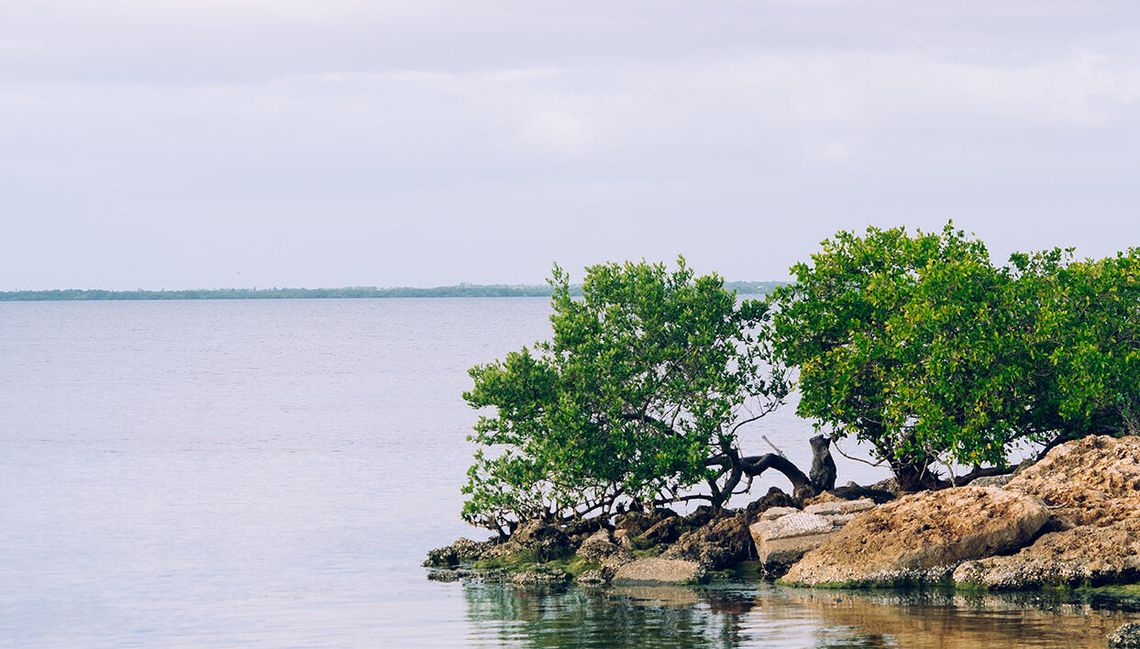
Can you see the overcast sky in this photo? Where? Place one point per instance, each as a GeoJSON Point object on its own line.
{"type": "Point", "coordinates": [220, 143]}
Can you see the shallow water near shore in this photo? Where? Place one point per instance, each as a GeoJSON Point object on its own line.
{"type": "Point", "coordinates": [271, 474]}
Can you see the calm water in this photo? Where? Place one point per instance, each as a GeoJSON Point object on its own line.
{"type": "Point", "coordinates": [270, 474]}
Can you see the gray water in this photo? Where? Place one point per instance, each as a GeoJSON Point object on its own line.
{"type": "Point", "coordinates": [271, 473]}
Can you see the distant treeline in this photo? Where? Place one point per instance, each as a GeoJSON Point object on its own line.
{"type": "Point", "coordinates": [461, 290]}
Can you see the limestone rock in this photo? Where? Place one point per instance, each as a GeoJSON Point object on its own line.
{"type": "Point", "coordinates": [1093, 488]}
{"type": "Point", "coordinates": [992, 481]}
{"type": "Point", "coordinates": [1125, 637]}
{"type": "Point", "coordinates": [660, 570]}
{"type": "Point", "coordinates": [922, 537]}
{"type": "Point", "coordinates": [1092, 481]}
{"type": "Point", "coordinates": [782, 541]}
{"type": "Point", "coordinates": [461, 552]}
{"type": "Point", "coordinates": [1083, 555]}
{"type": "Point", "coordinates": [600, 577]}
{"type": "Point", "coordinates": [618, 559]}
{"type": "Point", "coordinates": [777, 512]}
{"type": "Point", "coordinates": [545, 540]}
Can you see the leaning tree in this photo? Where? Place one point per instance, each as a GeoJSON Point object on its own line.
{"type": "Point", "coordinates": [640, 395]}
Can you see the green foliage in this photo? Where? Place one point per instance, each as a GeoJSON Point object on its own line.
{"type": "Point", "coordinates": [920, 346]}
{"type": "Point", "coordinates": [1084, 344]}
{"type": "Point", "coordinates": [898, 339]}
{"type": "Point", "coordinates": [642, 381]}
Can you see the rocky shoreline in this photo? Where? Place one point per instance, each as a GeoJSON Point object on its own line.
{"type": "Point", "coordinates": [1071, 520]}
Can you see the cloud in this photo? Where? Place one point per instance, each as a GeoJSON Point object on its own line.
{"type": "Point", "coordinates": [707, 130]}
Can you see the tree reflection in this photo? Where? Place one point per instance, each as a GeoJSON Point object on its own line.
{"type": "Point", "coordinates": [761, 615]}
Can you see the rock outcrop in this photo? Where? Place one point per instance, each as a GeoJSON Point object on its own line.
{"type": "Point", "coordinates": [921, 538]}
{"type": "Point", "coordinates": [1092, 486]}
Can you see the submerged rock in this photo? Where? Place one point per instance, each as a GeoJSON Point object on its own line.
{"type": "Point", "coordinates": [660, 570]}
{"type": "Point", "coordinates": [922, 537]}
{"type": "Point", "coordinates": [541, 576]}
{"type": "Point", "coordinates": [599, 577]}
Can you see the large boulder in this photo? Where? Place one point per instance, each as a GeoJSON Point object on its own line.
{"type": "Point", "coordinates": [660, 570]}
{"type": "Point", "coordinates": [922, 537]}
{"type": "Point", "coordinates": [782, 541]}
{"type": "Point", "coordinates": [1092, 486]}
{"type": "Point", "coordinates": [1091, 481]}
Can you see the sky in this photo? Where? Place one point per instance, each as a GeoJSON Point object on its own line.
{"type": "Point", "coordinates": [307, 143]}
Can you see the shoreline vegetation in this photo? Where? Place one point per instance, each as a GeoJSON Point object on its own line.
{"type": "Point", "coordinates": [916, 344]}
{"type": "Point", "coordinates": [458, 290]}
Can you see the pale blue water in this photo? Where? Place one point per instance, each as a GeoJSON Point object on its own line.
{"type": "Point", "coordinates": [271, 473]}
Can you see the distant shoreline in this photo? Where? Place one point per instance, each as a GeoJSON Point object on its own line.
{"type": "Point", "coordinates": [460, 290]}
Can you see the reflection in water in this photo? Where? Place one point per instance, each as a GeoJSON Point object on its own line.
{"type": "Point", "coordinates": [751, 614]}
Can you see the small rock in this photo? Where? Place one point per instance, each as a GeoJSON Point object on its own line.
{"type": "Point", "coordinates": [618, 559]}
{"type": "Point", "coordinates": [597, 546]}
{"type": "Point", "coordinates": [545, 540]}
{"type": "Point", "coordinates": [460, 552]}
{"type": "Point", "coordinates": [1125, 637]}
{"type": "Point", "coordinates": [840, 507]}
{"type": "Point", "coordinates": [774, 498]}
{"type": "Point", "coordinates": [675, 571]}
{"type": "Point", "coordinates": [600, 577]}
{"type": "Point", "coordinates": [541, 576]}
{"type": "Point", "coordinates": [699, 517]}
{"type": "Point", "coordinates": [777, 512]}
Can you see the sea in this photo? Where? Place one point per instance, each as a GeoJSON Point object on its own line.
{"type": "Point", "coordinates": [271, 473]}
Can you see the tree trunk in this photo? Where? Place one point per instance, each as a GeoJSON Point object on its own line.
{"type": "Point", "coordinates": [913, 476]}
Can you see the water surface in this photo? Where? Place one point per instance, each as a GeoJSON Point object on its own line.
{"type": "Point", "coordinates": [271, 473]}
